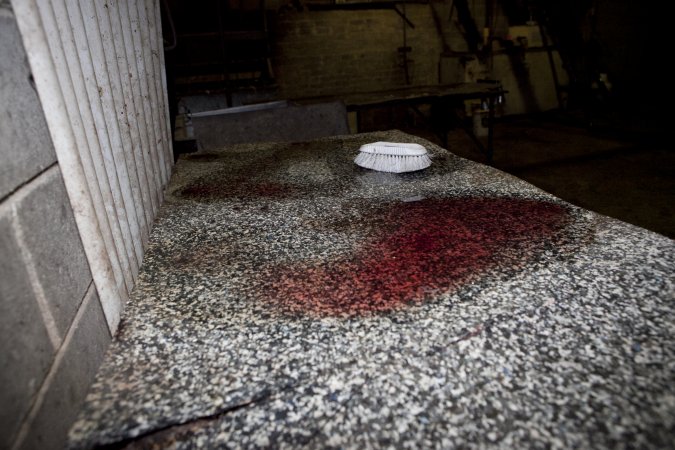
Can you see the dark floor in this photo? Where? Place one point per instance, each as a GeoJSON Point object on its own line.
{"type": "Point", "coordinates": [629, 176]}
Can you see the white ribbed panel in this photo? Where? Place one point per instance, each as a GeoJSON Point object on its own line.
{"type": "Point", "coordinates": [99, 71]}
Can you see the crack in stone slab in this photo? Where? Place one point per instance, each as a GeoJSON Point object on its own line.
{"type": "Point", "coordinates": [163, 435]}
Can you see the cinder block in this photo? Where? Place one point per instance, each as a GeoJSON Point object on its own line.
{"type": "Point", "coordinates": [25, 349]}
{"type": "Point", "coordinates": [50, 233]}
{"type": "Point", "coordinates": [73, 376]}
{"type": "Point", "coordinates": [26, 147]}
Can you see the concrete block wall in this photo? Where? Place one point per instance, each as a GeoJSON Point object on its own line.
{"type": "Point", "coordinates": [342, 51]}
{"type": "Point", "coordinates": [53, 333]}
{"type": "Point", "coordinates": [335, 52]}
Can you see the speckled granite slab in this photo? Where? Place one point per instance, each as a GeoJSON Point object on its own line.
{"type": "Point", "coordinates": [291, 299]}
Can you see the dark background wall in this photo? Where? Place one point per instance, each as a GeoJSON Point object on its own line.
{"type": "Point", "coordinates": [633, 37]}
{"type": "Point", "coordinates": [335, 52]}
{"type": "Point", "coordinates": [313, 48]}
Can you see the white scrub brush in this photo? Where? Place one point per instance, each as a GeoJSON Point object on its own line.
{"type": "Point", "coordinates": [393, 157]}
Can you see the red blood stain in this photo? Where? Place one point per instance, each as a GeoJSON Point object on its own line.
{"type": "Point", "coordinates": [421, 249]}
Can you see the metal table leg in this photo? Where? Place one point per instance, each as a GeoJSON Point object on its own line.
{"type": "Point", "coordinates": [491, 123]}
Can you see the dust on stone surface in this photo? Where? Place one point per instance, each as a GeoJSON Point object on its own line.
{"type": "Point", "coordinates": [277, 173]}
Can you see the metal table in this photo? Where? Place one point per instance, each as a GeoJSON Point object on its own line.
{"type": "Point", "coordinates": [443, 96]}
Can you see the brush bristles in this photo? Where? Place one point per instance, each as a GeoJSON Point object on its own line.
{"type": "Point", "coordinates": [392, 163]}
{"type": "Point", "coordinates": [393, 157]}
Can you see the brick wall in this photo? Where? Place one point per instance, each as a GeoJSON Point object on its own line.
{"type": "Point", "coordinates": [52, 330]}
{"type": "Point", "coordinates": [334, 52]}
{"type": "Point", "coordinates": [341, 51]}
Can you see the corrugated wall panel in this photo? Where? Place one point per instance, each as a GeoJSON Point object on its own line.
{"type": "Point", "coordinates": [154, 21]}
{"type": "Point", "coordinates": [98, 68]}
{"type": "Point", "coordinates": [103, 197]}
{"type": "Point", "coordinates": [91, 56]}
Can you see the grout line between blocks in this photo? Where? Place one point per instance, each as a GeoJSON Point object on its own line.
{"type": "Point", "coordinates": [46, 384]}
{"type": "Point", "coordinates": [38, 290]}
{"type": "Point", "coordinates": [27, 182]}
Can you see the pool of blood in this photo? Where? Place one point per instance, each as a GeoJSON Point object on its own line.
{"type": "Point", "coordinates": [419, 250]}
